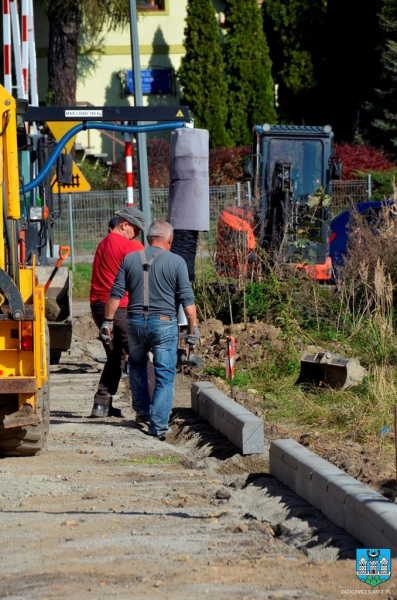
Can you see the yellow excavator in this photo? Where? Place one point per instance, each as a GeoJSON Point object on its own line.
{"type": "Point", "coordinates": [24, 336]}
{"type": "Point", "coordinates": [27, 288]}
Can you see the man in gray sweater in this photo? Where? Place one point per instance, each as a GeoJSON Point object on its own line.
{"type": "Point", "coordinates": [157, 283]}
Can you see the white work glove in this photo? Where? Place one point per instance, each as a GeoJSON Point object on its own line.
{"type": "Point", "coordinates": [106, 332]}
{"type": "Point", "coordinates": [193, 338]}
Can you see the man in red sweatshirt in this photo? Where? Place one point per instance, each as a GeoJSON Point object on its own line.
{"type": "Point", "coordinates": [108, 258]}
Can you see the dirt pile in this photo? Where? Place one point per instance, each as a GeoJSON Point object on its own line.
{"type": "Point", "coordinates": [253, 342]}
{"type": "Point", "coordinates": [85, 328]}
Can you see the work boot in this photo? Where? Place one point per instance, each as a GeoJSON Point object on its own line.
{"type": "Point", "coordinates": [163, 436]}
{"type": "Point", "coordinates": [142, 418]}
{"type": "Point", "coordinates": [115, 412]}
{"type": "Point", "coordinates": [100, 410]}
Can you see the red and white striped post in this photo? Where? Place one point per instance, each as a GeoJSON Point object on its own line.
{"type": "Point", "coordinates": [128, 169]}
{"type": "Point", "coordinates": [16, 46]}
{"type": "Point", "coordinates": [25, 47]}
{"type": "Point", "coordinates": [7, 46]}
{"type": "Point", "coordinates": [34, 94]}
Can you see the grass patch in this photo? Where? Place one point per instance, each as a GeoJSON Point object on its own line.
{"type": "Point", "coordinates": [358, 413]}
{"type": "Point", "coordinates": [153, 460]}
{"type": "Point", "coordinates": [82, 281]}
{"type": "Point", "coordinates": [356, 317]}
{"type": "Point", "coordinates": [241, 378]}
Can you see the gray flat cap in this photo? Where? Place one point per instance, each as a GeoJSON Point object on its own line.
{"type": "Point", "coordinates": [133, 215]}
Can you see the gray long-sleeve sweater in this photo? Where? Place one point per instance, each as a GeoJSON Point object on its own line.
{"type": "Point", "coordinates": [169, 284]}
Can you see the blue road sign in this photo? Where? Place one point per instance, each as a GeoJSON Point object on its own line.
{"type": "Point", "coordinates": [154, 81]}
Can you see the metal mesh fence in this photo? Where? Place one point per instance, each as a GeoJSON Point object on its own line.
{"type": "Point", "coordinates": [345, 193]}
{"type": "Point", "coordinates": [91, 212]}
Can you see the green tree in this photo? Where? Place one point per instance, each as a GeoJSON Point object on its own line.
{"type": "Point", "coordinates": [68, 20]}
{"type": "Point", "coordinates": [201, 72]}
{"type": "Point", "coordinates": [295, 32]}
{"type": "Point", "coordinates": [325, 57]}
{"type": "Point", "coordinates": [383, 110]}
{"type": "Point", "coordinates": [248, 70]}
{"type": "Point", "coordinates": [385, 121]}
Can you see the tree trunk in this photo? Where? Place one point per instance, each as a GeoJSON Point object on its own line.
{"type": "Point", "coordinates": [62, 56]}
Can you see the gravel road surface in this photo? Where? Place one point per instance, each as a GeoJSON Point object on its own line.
{"type": "Point", "coordinates": [107, 511]}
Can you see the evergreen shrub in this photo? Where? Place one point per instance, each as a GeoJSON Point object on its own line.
{"type": "Point", "coordinates": [248, 70]}
{"type": "Point", "coordinates": [201, 72]}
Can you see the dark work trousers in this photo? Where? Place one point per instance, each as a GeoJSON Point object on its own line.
{"type": "Point", "coordinates": [115, 358]}
{"type": "Point", "coordinates": [111, 374]}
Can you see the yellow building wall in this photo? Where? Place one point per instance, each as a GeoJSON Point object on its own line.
{"type": "Point", "coordinates": [161, 37]}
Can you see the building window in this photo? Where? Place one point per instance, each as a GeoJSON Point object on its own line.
{"type": "Point", "coordinates": [152, 4]}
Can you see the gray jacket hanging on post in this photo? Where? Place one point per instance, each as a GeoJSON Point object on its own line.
{"type": "Point", "coordinates": [188, 203]}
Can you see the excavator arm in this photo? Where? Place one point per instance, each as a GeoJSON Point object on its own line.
{"type": "Point", "coordinates": [10, 212]}
{"type": "Point", "coordinates": [23, 350]}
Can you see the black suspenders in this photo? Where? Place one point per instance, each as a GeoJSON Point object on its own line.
{"type": "Point", "coordinates": [146, 264]}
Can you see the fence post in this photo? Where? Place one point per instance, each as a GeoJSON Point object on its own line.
{"type": "Point", "coordinates": [369, 186]}
{"type": "Point", "coordinates": [71, 232]}
{"type": "Point", "coordinates": [249, 193]}
{"type": "Point", "coordinates": [238, 192]}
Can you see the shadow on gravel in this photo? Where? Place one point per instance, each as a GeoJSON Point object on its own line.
{"type": "Point", "coordinates": [144, 513]}
{"type": "Point", "coordinates": [204, 434]}
{"type": "Point", "coordinates": [62, 415]}
{"type": "Point", "coordinates": [317, 535]}
{"type": "Point", "coordinates": [59, 417]}
{"type": "Point", "coordinates": [78, 369]}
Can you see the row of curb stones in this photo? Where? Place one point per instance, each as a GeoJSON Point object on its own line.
{"type": "Point", "coordinates": [353, 506]}
{"type": "Point", "coordinates": [240, 426]}
{"type": "Point", "coordinates": [360, 511]}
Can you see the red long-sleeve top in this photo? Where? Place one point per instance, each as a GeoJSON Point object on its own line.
{"type": "Point", "coordinates": [107, 260]}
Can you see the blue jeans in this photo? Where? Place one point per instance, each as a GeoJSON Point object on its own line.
{"type": "Point", "coordinates": [161, 338]}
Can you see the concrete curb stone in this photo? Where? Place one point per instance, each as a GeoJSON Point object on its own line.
{"type": "Point", "coordinates": [195, 391]}
{"type": "Point", "coordinates": [361, 511]}
{"type": "Point", "coordinates": [241, 427]}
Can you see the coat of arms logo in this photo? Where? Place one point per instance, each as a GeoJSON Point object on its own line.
{"type": "Point", "coordinates": [373, 566]}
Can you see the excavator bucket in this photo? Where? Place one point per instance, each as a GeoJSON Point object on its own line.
{"type": "Point", "coordinates": [326, 369]}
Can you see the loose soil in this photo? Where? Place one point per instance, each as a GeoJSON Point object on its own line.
{"type": "Point", "coordinates": [107, 511]}
{"type": "Point", "coordinates": [364, 462]}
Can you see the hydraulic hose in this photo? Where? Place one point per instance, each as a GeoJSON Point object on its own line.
{"type": "Point", "coordinates": [89, 125]}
